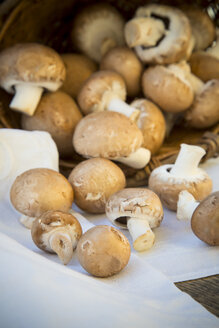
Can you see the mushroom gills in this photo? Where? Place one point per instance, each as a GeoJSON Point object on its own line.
{"type": "Point", "coordinates": [122, 220]}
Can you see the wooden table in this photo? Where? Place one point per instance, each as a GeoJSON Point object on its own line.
{"type": "Point", "coordinates": [204, 290]}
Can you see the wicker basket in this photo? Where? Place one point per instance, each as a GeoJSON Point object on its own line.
{"type": "Point", "coordinates": [49, 22]}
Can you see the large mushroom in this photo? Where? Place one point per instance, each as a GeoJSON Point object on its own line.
{"type": "Point", "coordinates": [96, 29]}
{"type": "Point", "coordinates": [94, 181]}
{"type": "Point", "coordinates": [39, 190]}
{"type": "Point", "coordinates": [125, 62]}
{"type": "Point", "coordinates": [159, 34]}
{"type": "Point", "coordinates": [103, 251]}
{"type": "Point", "coordinates": [168, 180]}
{"type": "Point", "coordinates": [58, 114]}
{"type": "Point", "coordinates": [57, 232]}
{"type": "Point", "coordinates": [113, 136]}
{"type": "Point", "coordinates": [138, 210]}
{"type": "Point", "coordinates": [26, 70]}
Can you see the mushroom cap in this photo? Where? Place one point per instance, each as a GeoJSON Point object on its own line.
{"type": "Point", "coordinates": [140, 203]}
{"type": "Point", "coordinates": [78, 70]}
{"type": "Point", "coordinates": [152, 124]}
{"type": "Point", "coordinates": [39, 190]}
{"type": "Point", "coordinates": [103, 251]}
{"type": "Point", "coordinates": [204, 65]}
{"type": "Point", "coordinates": [95, 24]}
{"type": "Point", "coordinates": [99, 89]}
{"type": "Point", "coordinates": [30, 62]}
{"type": "Point", "coordinates": [204, 111]}
{"type": "Point", "coordinates": [58, 114]}
{"type": "Point", "coordinates": [168, 187]}
{"type": "Point", "coordinates": [125, 62]}
{"type": "Point", "coordinates": [93, 181]}
{"type": "Point", "coordinates": [49, 222]}
{"type": "Point", "coordinates": [168, 88]}
{"type": "Point", "coordinates": [174, 46]}
{"type": "Point", "coordinates": [205, 220]}
{"type": "Point", "coordinates": [106, 134]}
{"type": "Point", "coordinates": [202, 26]}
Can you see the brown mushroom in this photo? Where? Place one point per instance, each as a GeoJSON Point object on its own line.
{"type": "Point", "coordinates": [58, 114]}
{"type": "Point", "coordinates": [138, 210]}
{"type": "Point", "coordinates": [124, 61]}
{"type": "Point", "coordinates": [27, 69]}
{"type": "Point", "coordinates": [39, 190]}
{"type": "Point", "coordinates": [103, 251]}
{"type": "Point", "coordinates": [78, 70]}
{"type": "Point", "coordinates": [57, 232]}
{"type": "Point", "coordinates": [93, 181]}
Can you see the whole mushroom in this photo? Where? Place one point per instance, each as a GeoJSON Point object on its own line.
{"type": "Point", "coordinates": [103, 251]}
{"type": "Point", "coordinates": [168, 180]}
{"type": "Point", "coordinates": [94, 181]}
{"type": "Point", "coordinates": [26, 70]}
{"type": "Point", "coordinates": [57, 232]}
{"type": "Point", "coordinates": [138, 210]}
{"type": "Point", "coordinates": [58, 114]}
{"type": "Point", "coordinates": [39, 190]}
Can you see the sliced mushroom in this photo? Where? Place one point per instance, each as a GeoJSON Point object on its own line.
{"type": "Point", "coordinates": [103, 251]}
{"type": "Point", "coordinates": [113, 136]}
{"type": "Point", "coordinates": [94, 181]}
{"type": "Point", "coordinates": [96, 29]}
{"type": "Point", "coordinates": [39, 190]}
{"type": "Point", "coordinates": [78, 70]}
{"type": "Point", "coordinates": [138, 210]}
{"type": "Point", "coordinates": [168, 180]}
{"type": "Point", "coordinates": [160, 34]}
{"type": "Point", "coordinates": [28, 69]}
{"type": "Point", "coordinates": [123, 61]}
{"type": "Point", "coordinates": [57, 232]}
{"type": "Point", "coordinates": [58, 114]}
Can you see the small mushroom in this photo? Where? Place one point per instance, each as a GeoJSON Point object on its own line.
{"type": "Point", "coordinates": [168, 180]}
{"type": "Point", "coordinates": [78, 70]}
{"type": "Point", "coordinates": [103, 251]}
{"type": "Point", "coordinates": [57, 232]}
{"type": "Point", "coordinates": [39, 190]}
{"type": "Point", "coordinates": [123, 61]}
{"type": "Point", "coordinates": [96, 29]}
{"type": "Point", "coordinates": [113, 136]}
{"type": "Point", "coordinates": [160, 34]}
{"type": "Point", "coordinates": [138, 210]}
{"type": "Point", "coordinates": [58, 114]}
{"type": "Point", "coordinates": [94, 181]}
{"type": "Point", "coordinates": [28, 69]}
{"type": "Point", "coordinates": [168, 87]}
{"type": "Point", "coordinates": [152, 124]}
{"type": "Point", "coordinates": [105, 90]}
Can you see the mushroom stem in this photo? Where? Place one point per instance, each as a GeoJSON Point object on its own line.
{"type": "Point", "coordinates": [119, 106]}
{"type": "Point", "coordinates": [141, 233]}
{"type": "Point", "coordinates": [186, 164]}
{"type": "Point", "coordinates": [186, 205]}
{"type": "Point", "coordinates": [27, 221]}
{"type": "Point", "coordinates": [144, 31]}
{"type": "Point", "coordinates": [26, 98]}
{"type": "Point", "coordinates": [138, 160]}
{"type": "Point", "coordinates": [61, 244]}
{"type": "Point", "coordinates": [107, 45]}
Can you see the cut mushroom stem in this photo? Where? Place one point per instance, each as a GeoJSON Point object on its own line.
{"type": "Point", "coordinates": [107, 45]}
{"type": "Point", "coordinates": [138, 160]}
{"type": "Point", "coordinates": [143, 31]}
{"type": "Point", "coordinates": [61, 244]}
{"type": "Point", "coordinates": [141, 233]}
{"type": "Point", "coordinates": [26, 98]}
{"type": "Point", "coordinates": [186, 164]}
{"type": "Point", "coordinates": [186, 205]}
{"type": "Point", "coordinates": [27, 221]}
{"type": "Point", "coordinates": [119, 106]}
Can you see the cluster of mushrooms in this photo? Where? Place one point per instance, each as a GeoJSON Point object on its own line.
{"type": "Point", "coordinates": [153, 69]}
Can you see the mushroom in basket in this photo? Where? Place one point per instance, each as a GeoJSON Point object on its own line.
{"type": "Point", "coordinates": [39, 190]}
{"type": "Point", "coordinates": [28, 69]}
